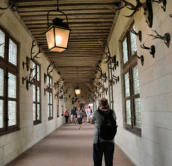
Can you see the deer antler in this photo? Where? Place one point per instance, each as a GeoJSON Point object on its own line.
{"type": "Point", "coordinates": [51, 64]}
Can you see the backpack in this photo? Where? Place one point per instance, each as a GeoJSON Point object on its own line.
{"type": "Point", "coordinates": [108, 127]}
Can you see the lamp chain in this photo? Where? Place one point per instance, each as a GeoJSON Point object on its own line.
{"type": "Point", "coordinates": [57, 5]}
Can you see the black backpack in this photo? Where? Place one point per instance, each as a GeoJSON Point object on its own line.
{"type": "Point", "coordinates": [108, 127]}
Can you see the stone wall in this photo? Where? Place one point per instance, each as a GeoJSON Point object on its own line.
{"type": "Point", "coordinates": [153, 148]}
{"type": "Point", "coordinates": [13, 144]}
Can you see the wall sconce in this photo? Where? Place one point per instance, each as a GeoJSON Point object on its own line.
{"type": "Point", "coordinates": [27, 63]}
{"type": "Point", "coordinates": [141, 58]}
{"type": "Point", "coordinates": [148, 10]}
{"type": "Point", "coordinates": [52, 64]}
{"type": "Point", "coordinates": [10, 5]}
{"type": "Point", "coordinates": [58, 33]}
{"type": "Point", "coordinates": [139, 34]}
{"type": "Point", "coordinates": [166, 38]}
{"type": "Point", "coordinates": [29, 79]}
{"type": "Point", "coordinates": [33, 53]}
{"type": "Point", "coordinates": [152, 49]}
{"type": "Point", "coordinates": [164, 3]}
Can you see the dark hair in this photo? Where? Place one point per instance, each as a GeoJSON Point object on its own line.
{"type": "Point", "coordinates": [104, 103]}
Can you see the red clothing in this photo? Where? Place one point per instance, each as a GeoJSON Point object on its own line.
{"type": "Point", "coordinates": [66, 113]}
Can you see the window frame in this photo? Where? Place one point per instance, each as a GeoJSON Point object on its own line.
{"type": "Point", "coordinates": [7, 68]}
{"type": "Point", "coordinates": [50, 90]}
{"type": "Point", "coordinates": [58, 109]}
{"type": "Point", "coordinates": [37, 83]}
{"type": "Point", "coordinates": [128, 68]}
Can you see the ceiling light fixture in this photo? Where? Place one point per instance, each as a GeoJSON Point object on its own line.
{"type": "Point", "coordinates": [77, 91]}
{"type": "Point", "coordinates": [58, 32]}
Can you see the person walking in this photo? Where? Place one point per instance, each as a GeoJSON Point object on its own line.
{"type": "Point", "coordinates": [66, 114]}
{"type": "Point", "coordinates": [79, 117]}
{"type": "Point", "coordinates": [104, 134]}
{"type": "Point", "coordinates": [73, 111]}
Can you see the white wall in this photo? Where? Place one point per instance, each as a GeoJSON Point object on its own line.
{"type": "Point", "coordinates": [154, 147]}
{"type": "Point", "coordinates": [13, 144]}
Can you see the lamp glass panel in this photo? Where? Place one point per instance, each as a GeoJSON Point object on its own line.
{"type": "Point", "coordinates": [62, 36]}
{"type": "Point", "coordinates": [50, 38]}
{"type": "Point", "coordinates": [77, 91]}
{"type": "Point", "coordinates": [57, 49]}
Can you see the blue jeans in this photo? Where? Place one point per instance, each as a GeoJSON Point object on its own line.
{"type": "Point", "coordinates": [105, 148]}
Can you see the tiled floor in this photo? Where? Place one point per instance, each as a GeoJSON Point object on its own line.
{"type": "Point", "coordinates": [67, 146]}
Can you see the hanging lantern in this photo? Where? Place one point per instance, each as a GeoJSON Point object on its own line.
{"type": "Point", "coordinates": [58, 36]}
{"type": "Point", "coordinates": [77, 91]}
{"type": "Point", "coordinates": [58, 33]}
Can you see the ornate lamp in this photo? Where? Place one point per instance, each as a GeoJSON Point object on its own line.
{"type": "Point", "coordinates": [58, 33]}
{"type": "Point", "coordinates": [77, 91]}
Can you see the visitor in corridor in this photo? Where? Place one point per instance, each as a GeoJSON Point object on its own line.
{"type": "Point", "coordinates": [73, 114]}
{"type": "Point", "coordinates": [66, 114]}
{"type": "Point", "coordinates": [79, 117]}
{"type": "Point", "coordinates": [103, 146]}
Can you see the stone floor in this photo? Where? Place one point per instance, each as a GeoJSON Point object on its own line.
{"type": "Point", "coordinates": [67, 146]}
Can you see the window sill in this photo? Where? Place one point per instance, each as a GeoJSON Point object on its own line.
{"type": "Point", "coordinates": [9, 131]}
{"type": "Point", "coordinates": [50, 118]}
{"type": "Point", "coordinates": [135, 131]}
{"type": "Point", "coordinates": [37, 122]}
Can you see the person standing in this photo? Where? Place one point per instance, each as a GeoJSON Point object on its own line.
{"type": "Point", "coordinates": [66, 114]}
{"type": "Point", "coordinates": [73, 112]}
{"type": "Point", "coordinates": [79, 117]}
{"type": "Point", "coordinates": [103, 146]}
{"type": "Point", "coordinates": [87, 110]}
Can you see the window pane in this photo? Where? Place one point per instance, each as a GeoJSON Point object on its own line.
{"type": "Point", "coordinates": [125, 51]}
{"type": "Point", "coordinates": [133, 42]}
{"type": "Point", "coordinates": [2, 43]}
{"type": "Point", "coordinates": [37, 72]}
{"type": "Point", "coordinates": [137, 112]}
{"type": "Point", "coordinates": [12, 52]}
{"type": "Point", "coordinates": [51, 111]}
{"type": "Point", "coordinates": [34, 95]}
{"type": "Point", "coordinates": [12, 113]}
{"type": "Point", "coordinates": [34, 70]}
{"type": "Point", "coordinates": [11, 85]}
{"type": "Point", "coordinates": [48, 97]}
{"type": "Point", "coordinates": [50, 83]}
{"type": "Point", "coordinates": [38, 111]}
{"type": "Point", "coordinates": [127, 85]}
{"type": "Point", "coordinates": [128, 112]}
{"type": "Point", "coordinates": [136, 80]}
{"type": "Point", "coordinates": [34, 112]}
{"type": "Point", "coordinates": [1, 114]}
{"type": "Point", "coordinates": [51, 98]}
{"type": "Point", "coordinates": [38, 96]}
{"type": "Point", "coordinates": [1, 82]}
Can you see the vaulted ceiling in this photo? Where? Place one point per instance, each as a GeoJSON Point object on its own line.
{"type": "Point", "coordinates": [90, 23]}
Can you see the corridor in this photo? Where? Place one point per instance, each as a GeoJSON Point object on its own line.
{"type": "Point", "coordinates": [59, 58]}
{"type": "Point", "coordinates": [67, 146]}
